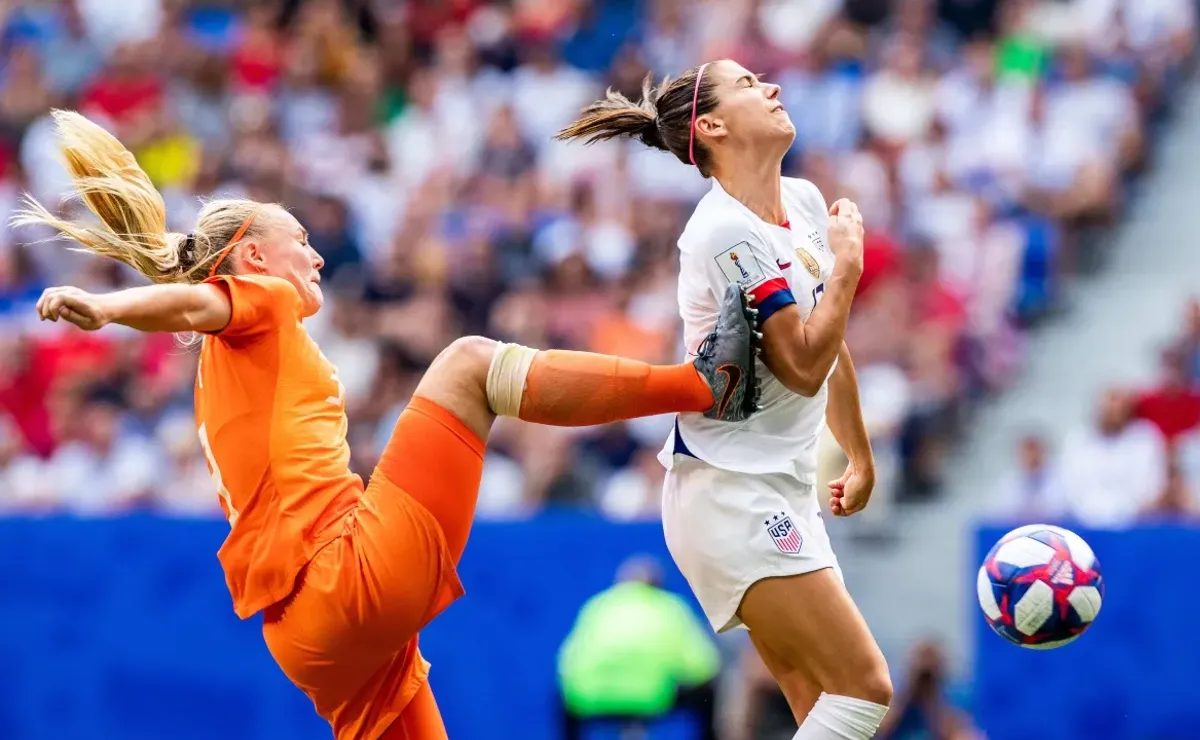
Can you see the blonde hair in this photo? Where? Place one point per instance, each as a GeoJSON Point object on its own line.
{"type": "Point", "coordinates": [132, 217]}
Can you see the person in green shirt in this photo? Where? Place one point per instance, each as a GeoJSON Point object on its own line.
{"type": "Point", "coordinates": [635, 654]}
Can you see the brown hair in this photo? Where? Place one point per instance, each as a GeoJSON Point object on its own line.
{"type": "Point", "coordinates": [132, 217]}
{"type": "Point", "coordinates": [663, 118]}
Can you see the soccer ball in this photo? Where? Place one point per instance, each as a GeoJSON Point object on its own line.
{"type": "Point", "coordinates": [1040, 587]}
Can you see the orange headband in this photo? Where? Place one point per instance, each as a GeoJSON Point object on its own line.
{"type": "Point", "coordinates": [237, 236]}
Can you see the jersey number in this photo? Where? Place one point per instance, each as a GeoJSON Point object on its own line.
{"type": "Point", "coordinates": [817, 293]}
{"type": "Point", "coordinates": [222, 491]}
{"type": "Point", "coordinates": [341, 391]}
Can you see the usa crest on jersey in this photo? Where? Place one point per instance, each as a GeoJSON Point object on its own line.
{"type": "Point", "coordinates": [784, 534]}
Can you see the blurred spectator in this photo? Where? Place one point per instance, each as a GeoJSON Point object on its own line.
{"type": "Point", "coordinates": [130, 22]}
{"type": "Point", "coordinates": [25, 94]}
{"type": "Point", "coordinates": [610, 673]}
{"type": "Point", "coordinates": [1069, 175]}
{"type": "Point", "coordinates": [1177, 503]}
{"type": "Point", "coordinates": [898, 100]}
{"type": "Point", "coordinates": [127, 90]}
{"type": "Point", "coordinates": [1161, 33]}
{"type": "Point", "coordinates": [24, 485]}
{"type": "Point", "coordinates": [330, 234]}
{"type": "Point", "coordinates": [936, 316]}
{"type": "Point", "coordinates": [758, 709]}
{"type": "Point", "coordinates": [1174, 405]}
{"type": "Point", "coordinates": [1189, 343]}
{"type": "Point", "coordinates": [27, 374]}
{"type": "Point", "coordinates": [546, 95]}
{"type": "Point", "coordinates": [1115, 468]}
{"type": "Point", "coordinates": [635, 492]}
{"type": "Point", "coordinates": [190, 492]}
{"type": "Point", "coordinates": [69, 53]}
{"type": "Point", "coordinates": [1181, 377]}
{"type": "Point", "coordinates": [502, 490]}
{"type": "Point", "coordinates": [829, 85]}
{"type": "Point", "coordinates": [1099, 107]}
{"type": "Point", "coordinates": [1032, 491]}
{"type": "Point", "coordinates": [97, 470]}
{"type": "Point", "coordinates": [921, 708]}
{"type": "Point", "coordinates": [1187, 457]}
{"type": "Point", "coordinates": [348, 341]}
{"type": "Point", "coordinates": [201, 98]}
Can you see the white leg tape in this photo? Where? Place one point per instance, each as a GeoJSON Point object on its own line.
{"type": "Point", "coordinates": [506, 378]}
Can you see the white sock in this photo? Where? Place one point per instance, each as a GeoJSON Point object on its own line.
{"type": "Point", "coordinates": [841, 718]}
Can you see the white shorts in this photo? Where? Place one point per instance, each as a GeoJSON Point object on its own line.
{"type": "Point", "coordinates": [727, 531]}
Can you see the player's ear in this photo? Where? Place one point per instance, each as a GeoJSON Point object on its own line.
{"type": "Point", "coordinates": [711, 126]}
{"type": "Point", "coordinates": [254, 259]}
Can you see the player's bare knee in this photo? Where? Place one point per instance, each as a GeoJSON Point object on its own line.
{"type": "Point", "coordinates": [861, 676]}
{"type": "Point", "coordinates": [876, 685]}
{"type": "Point", "coordinates": [462, 366]}
{"type": "Point", "coordinates": [457, 381]}
{"type": "Point", "coordinates": [468, 356]}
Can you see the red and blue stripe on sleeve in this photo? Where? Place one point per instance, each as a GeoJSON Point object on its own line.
{"type": "Point", "coordinates": [770, 296]}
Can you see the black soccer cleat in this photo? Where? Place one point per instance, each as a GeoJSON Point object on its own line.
{"type": "Point", "coordinates": [726, 359]}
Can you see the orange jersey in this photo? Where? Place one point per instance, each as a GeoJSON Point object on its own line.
{"type": "Point", "coordinates": [272, 419]}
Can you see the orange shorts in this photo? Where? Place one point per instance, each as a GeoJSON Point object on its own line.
{"type": "Point", "coordinates": [347, 635]}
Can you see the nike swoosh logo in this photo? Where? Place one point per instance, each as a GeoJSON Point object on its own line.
{"type": "Point", "coordinates": [733, 376]}
{"type": "Point", "coordinates": [783, 265]}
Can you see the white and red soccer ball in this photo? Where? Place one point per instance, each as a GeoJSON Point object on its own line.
{"type": "Point", "coordinates": [1040, 587]}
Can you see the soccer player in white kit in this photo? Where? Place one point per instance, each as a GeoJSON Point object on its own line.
{"type": "Point", "coordinates": [740, 509]}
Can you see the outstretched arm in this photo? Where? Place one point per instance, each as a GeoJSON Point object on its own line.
{"type": "Point", "coordinates": [165, 308]}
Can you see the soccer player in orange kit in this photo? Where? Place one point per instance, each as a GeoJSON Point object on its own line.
{"type": "Point", "coordinates": [345, 574]}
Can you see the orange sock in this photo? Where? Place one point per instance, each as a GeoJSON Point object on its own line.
{"type": "Point", "coordinates": [569, 389]}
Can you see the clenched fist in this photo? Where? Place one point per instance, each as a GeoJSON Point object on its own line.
{"type": "Point", "coordinates": [846, 234]}
{"type": "Point", "coordinates": [77, 306]}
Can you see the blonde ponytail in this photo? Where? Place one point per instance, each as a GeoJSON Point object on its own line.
{"type": "Point", "coordinates": [132, 217]}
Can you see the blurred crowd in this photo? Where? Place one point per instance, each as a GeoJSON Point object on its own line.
{"type": "Point", "coordinates": [987, 142]}
{"type": "Point", "coordinates": [1137, 459]}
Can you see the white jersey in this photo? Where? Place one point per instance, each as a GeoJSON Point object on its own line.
{"type": "Point", "coordinates": [724, 242]}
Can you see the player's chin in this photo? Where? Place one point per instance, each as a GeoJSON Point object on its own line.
{"type": "Point", "coordinates": [314, 300]}
{"type": "Point", "coordinates": [781, 130]}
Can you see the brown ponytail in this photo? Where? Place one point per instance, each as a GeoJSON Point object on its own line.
{"type": "Point", "coordinates": [616, 116]}
{"type": "Point", "coordinates": [662, 120]}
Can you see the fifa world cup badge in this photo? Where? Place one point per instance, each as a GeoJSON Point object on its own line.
{"type": "Point", "coordinates": [739, 265]}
